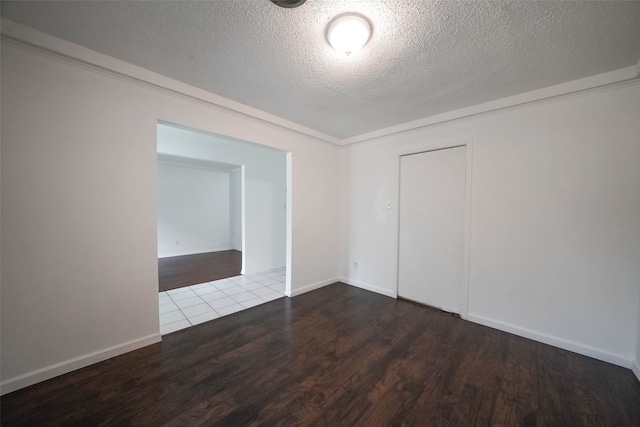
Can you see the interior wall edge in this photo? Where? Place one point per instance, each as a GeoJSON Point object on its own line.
{"type": "Point", "coordinates": [28, 38]}
{"type": "Point", "coordinates": [312, 287]}
{"type": "Point", "coordinates": [523, 332]}
{"type": "Point", "coordinates": [605, 81]}
{"type": "Point", "coordinates": [203, 251]}
{"type": "Point", "coordinates": [371, 170]}
{"type": "Point", "coordinates": [314, 170]}
{"type": "Point", "coordinates": [61, 368]}
{"type": "Point", "coordinates": [43, 43]}
{"type": "Point", "coordinates": [369, 287]}
{"type": "Point", "coordinates": [262, 270]}
{"type": "Point", "coordinates": [564, 344]}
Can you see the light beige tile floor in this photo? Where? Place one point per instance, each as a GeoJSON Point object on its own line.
{"type": "Point", "coordinates": [191, 305]}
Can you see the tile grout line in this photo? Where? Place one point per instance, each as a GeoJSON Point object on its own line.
{"type": "Point", "coordinates": [237, 284]}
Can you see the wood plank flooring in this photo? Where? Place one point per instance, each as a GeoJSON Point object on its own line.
{"type": "Point", "coordinates": [187, 270]}
{"type": "Point", "coordinates": [338, 356]}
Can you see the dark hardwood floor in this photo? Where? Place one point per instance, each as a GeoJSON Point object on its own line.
{"type": "Point", "coordinates": [179, 271]}
{"type": "Point", "coordinates": [336, 356]}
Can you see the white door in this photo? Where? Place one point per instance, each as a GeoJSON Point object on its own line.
{"type": "Point", "coordinates": [432, 214]}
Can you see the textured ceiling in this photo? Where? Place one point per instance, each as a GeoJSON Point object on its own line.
{"type": "Point", "coordinates": [424, 57]}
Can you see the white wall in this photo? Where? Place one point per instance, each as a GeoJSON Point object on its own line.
{"type": "Point", "coordinates": [79, 266]}
{"type": "Point", "coordinates": [235, 184]}
{"type": "Point", "coordinates": [636, 365]}
{"type": "Point", "coordinates": [193, 209]}
{"type": "Point", "coordinates": [265, 181]}
{"type": "Point", "coordinates": [555, 220]}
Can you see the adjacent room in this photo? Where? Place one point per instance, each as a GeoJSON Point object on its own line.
{"type": "Point", "coordinates": [199, 221]}
{"type": "Point", "coordinates": [317, 212]}
{"type": "Point", "coordinates": [222, 214]}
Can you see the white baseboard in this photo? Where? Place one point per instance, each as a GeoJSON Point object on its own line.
{"type": "Point", "coordinates": [367, 287]}
{"type": "Point", "coordinates": [636, 369]}
{"type": "Point", "coordinates": [39, 375]}
{"type": "Point", "coordinates": [554, 341]}
{"type": "Point", "coordinates": [205, 251]}
{"type": "Point", "coordinates": [312, 287]}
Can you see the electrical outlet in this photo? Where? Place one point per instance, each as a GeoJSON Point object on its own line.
{"type": "Point", "coordinates": [355, 265]}
{"type": "Point", "coordinates": [177, 242]}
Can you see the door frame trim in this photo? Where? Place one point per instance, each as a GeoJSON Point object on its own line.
{"type": "Point", "coordinates": [435, 146]}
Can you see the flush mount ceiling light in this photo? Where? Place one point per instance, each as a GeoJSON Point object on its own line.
{"type": "Point", "coordinates": [348, 33]}
{"type": "Point", "coordinates": [288, 3]}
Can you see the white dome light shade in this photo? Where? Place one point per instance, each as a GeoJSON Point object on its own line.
{"type": "Point", "coordinates": [348, 33]}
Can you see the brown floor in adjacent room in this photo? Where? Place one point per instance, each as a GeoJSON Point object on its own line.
{"type": "Point", "coordinates": [180, 271]}
{"type": "Point", "coordinates": [336, 356]}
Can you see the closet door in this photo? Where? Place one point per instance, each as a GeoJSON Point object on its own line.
{"type": "Point", "coordinates": [432, 213]}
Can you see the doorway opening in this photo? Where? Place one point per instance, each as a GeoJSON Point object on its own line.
{"type": "Point", "coordinates": [223, 225]}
